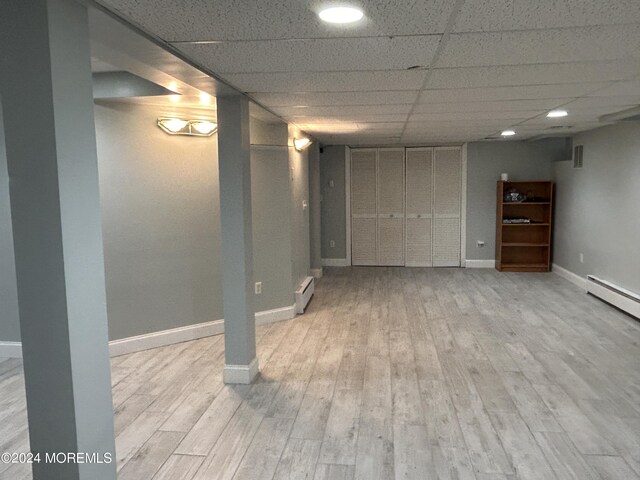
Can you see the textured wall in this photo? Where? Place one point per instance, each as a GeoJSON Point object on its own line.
{"type": "Point", "coordinates": [9, 324]}
{"type": "Point", "coordinates": [598, 207]}
{"type": "Point", "coordinates": [161, 223]}
{"type": "Point", "coordinates": [485, 162]}
{"type": "Point", "coordinates": [299, 174]}
{"type": "Point", "coordinates": [333, 214]}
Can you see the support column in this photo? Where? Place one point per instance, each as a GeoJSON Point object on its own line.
{"type": "Point", "coordinates": [234, 160]}
{"type": "Point", "coordinates": [47, 102]}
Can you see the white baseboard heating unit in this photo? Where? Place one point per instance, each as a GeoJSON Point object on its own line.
{"type": "Point", "coordinates": [622, 298]}
{"type": "Point", "coordinates": [304, 294]}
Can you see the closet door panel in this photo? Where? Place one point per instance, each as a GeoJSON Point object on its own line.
{"type": "Point", "coordinates": [391, 206]}
{"type": "Point", "coordinates": [418, 235]}
{"type": "Point", "coordinates": [363, 206]}
{"type": "Point", "coordinates": [363, 241]}
{"type": "Point", "coordinates": [363, 182]}
{"type": "Point", "coordinates": [447, 171]}
{"type": "Point", "coordinates": [391, 181]}
{"type": "Point", "coordinates": [419, 192]}
{"type": "Point", "coordinates": [390, 241]}
{"type": "Point", "coordinates": [446, 242]}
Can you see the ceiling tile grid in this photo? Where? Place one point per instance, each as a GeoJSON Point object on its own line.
{"type": "Point", "coordinates": [420, 70]}
{"type": "Point", "coordinates": [316, 55]}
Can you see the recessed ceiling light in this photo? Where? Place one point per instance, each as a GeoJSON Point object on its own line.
{"type": "Point", "coordinates": [508, 133]}
{"type": "Point", "coordinates": [557, 113]}
{"type": "Point", "coordinates": [341, 15]}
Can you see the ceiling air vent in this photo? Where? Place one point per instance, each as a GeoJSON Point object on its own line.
{"type": "Point", "coordinates": [577, 156]}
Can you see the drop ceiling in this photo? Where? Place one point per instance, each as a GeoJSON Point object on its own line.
{"type": "Point", "coordinates": [424, 71]}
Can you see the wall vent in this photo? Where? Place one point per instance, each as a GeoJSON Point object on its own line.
{"type": "Point", "coordinates": [578, 151]}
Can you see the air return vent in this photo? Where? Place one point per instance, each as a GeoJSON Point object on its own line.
{"type": "Point", "coordinates": [577, 156]}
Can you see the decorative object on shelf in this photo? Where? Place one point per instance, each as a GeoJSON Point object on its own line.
{"type": "Point", "coordinates": [504, 177]}
{"type": "Point", "coordinates": [523, 226]}
{"type": "Point", "coordinates": [514, 196]}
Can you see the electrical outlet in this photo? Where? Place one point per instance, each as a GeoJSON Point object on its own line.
{"type": "Point", "coordinates": [331, 184]}
{"type": "Point", "coordinates": [332, 243]}
{"type": "Point", "coordinates": [258, 288]}
{"type": "Point", "coordinates": [582, 258]}
{"type": "Point", "coordinates": [479, 244]}
{"type": "Point", "coordinates": [304, 205]}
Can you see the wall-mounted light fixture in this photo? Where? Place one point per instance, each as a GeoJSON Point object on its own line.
{"type": "Point", "coordinates": [301, 143]}
{"type": "Point", "coordinates": [196, 128]}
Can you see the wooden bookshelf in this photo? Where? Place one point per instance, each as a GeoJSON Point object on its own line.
{"type": "Point", "coordinates": [524, 247]}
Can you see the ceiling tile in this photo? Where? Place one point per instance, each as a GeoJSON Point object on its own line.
{"type": "Point", "coordinates": [327, 82]}
{"type": "Point", "coordinates": [187, 20]}
{"type": "Point", "coordinates": [336, 98]}
{"type": "Point", "coordinates": [521, 92]}
{"type": "Point", "coordinates": [619, 88]}
{"type": "Point", "coordinates": [496, 15]}
{"type": "Point", "coordinates": [324, 55]}
{"type": "Point", "coordinates": [341, 111]}
{"type": "Point", "coordinates": [492, 106]}
{"type": "Point", "coordinates": [608, 102]}
{"type": "Point", "coordinates": [455, 116]}
{"type": "Point", "coordinates": [584, 44]}
{"type": "Point", "coordinates": [532, 74]}
{"type": "Point", "coordinates": [393, 117]}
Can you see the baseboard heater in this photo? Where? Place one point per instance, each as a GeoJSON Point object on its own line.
{"type": "Point", "coordinates": [304, 294]}
{"type": "Point", "coordinates": [622, 298]}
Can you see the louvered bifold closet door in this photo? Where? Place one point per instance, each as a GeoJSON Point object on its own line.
{"type": "Point", "coordinates": [419, 180]}
{"type": "Point", "coordinates": [447, 172]}
{"type": "Point", "coordinates": [363, 206]}
{"type": "Point", "coordinates": [391, 206]}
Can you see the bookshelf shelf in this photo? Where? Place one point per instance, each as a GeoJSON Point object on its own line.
{"type": "Point", "coordinates": [524, 247]}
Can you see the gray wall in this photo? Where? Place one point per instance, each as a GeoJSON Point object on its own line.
{"type": "Point", "coordinates": [485, 162]}
{"type": "Point", "coordinates": [598, 207]}
{"type": "Point", "coordinates": [161, 223]}
{"type": "Point", "coordinates": [9, 326]}
{"type": "Point", "coordinates": [271, 211]}
{"type": "Point", "coordinates": [333, 214]}
{"type": "Point", "coordinates": [315, 245]}
{"type": "Point", "coordinates": [299, 168]}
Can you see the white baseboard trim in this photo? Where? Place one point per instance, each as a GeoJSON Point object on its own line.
{"type": "Point", "coordinates": [10, 350]}
{"type": "Point", "coordinates": [334, 262]}
{"type": "Point", "coordinates": [567, 275]}
{"type": "Point", "coordinates": [316, 272]}
{"type": "Point", "coordinates": [479, 263]}
{"type": "Point", "coordinates": [167, 337]}
{"type": "Point", "coordinates": [240, 374]}
{"type": "Point", "coordinates": [276, 315]}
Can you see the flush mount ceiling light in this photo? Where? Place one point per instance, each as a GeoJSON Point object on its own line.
{"type": "Point", "coordinates": [508, 133]}
{"type": "Point", "coordinates": [194, 128]}
{"type": "Point", "coordinates": [301, 143]}
{"type": "Point", "coordinates": [557, 113]}
{"type": "Point", "coordinates": [340, 15]}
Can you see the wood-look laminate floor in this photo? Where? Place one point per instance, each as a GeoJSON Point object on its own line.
{"type": "Point", "coordinates": [391, 374]}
